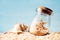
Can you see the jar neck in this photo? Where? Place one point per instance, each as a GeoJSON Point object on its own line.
{"type": "Point", "coordinates": [42, 14]}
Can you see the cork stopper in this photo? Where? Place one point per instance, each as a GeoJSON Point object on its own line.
{"type": "Point", "coordinates": [45, 10]}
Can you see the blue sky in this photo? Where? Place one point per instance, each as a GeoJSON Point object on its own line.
{"type": "Point", "coordinates": [23, 11]}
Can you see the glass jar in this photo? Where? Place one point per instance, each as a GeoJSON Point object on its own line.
{"type": "Point", "coordinates": [42, 18]}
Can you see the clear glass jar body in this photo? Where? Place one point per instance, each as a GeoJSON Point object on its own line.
{"type": "Point", "coordinates": [40, 25]}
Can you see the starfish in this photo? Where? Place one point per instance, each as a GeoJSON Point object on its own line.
{"type": "Point", "coordinates": [40, 25]}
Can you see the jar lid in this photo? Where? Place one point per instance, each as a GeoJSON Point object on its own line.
{"type": "Point", "coordinates": [45, 10]}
